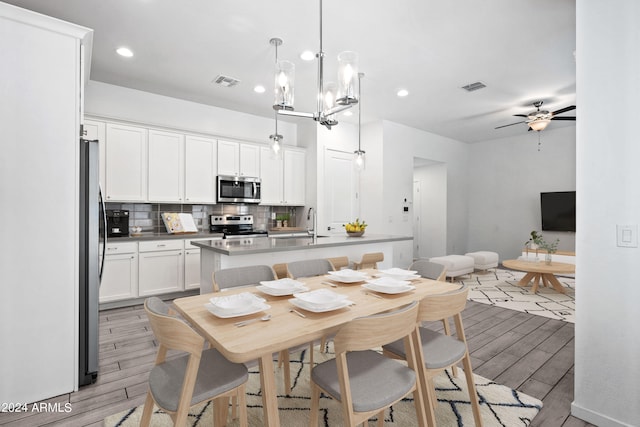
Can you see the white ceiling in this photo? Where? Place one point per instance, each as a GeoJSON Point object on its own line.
{"type": "Point", "coordinates": [522, 50]}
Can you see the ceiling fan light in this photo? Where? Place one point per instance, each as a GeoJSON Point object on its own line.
{"type": "Point", "coordinates": [347, 78]}
{"type": "Point", "coordinates": [539, 125]}
{"type": "Point", "coordinates": [284, 85]}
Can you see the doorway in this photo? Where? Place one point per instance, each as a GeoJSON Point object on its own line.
{"type": "Point", "coordinates": [430, 208]}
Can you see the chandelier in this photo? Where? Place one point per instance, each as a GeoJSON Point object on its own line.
{"type": "Point", "coordinates": [332, 98]}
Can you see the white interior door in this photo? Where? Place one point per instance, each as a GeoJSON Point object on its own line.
{"type": "Point", "coordinates": [341, 191]}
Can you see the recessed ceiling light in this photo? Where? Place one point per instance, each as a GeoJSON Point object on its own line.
{"type": "Point", "coordinates": [402, 93]}
{"type": "Point", "coordinates": [348, 113]}
{"type": "Point", "coordinates": [259, 89]}
{"type": "Point", "coordinates": [307, 55]}
{"type": "Point", "coordinates": [124, 51]}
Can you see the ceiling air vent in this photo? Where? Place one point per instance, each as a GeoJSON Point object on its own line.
{"type": "Point", "coordinates": [225, 81]}
{"type": "Point", "coordinates": [474, 86]}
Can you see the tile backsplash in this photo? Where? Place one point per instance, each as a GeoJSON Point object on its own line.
{"type": "Point", "coordinates": [148, 215]}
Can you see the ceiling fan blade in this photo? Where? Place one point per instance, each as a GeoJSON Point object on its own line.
{"type": "Point", "coordinates": [520, 115]}
{"type": "Point", "coordinates": [504, 126]}
{"type": "Point", "coordinates": [572, 118]}
{"type": "Point", "coordinates": [564, 110]}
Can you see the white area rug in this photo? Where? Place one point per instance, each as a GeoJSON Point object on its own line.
{"type": "Point", "coordinates": [500, 405]}
{"type": "Point", "coordinates": [500, 289]}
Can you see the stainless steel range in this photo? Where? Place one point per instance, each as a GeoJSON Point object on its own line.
{"type": "Point", "coordinates": [234, 226]}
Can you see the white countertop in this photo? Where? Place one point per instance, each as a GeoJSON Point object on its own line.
{"type": "Point", "coordinates": [247, 246]}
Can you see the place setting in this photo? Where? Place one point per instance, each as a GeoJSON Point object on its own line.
{"type": "Point", "coordinates": [345, 276]}
{"type": "Point", "coordinates": [388, 285]}
{"type": "Point", "coordinates": [236, 305]}
{"type": "Point", "coordinates": [281, 287]}
{"type": "Point", "coordinates": [320, 301]}
{"type": "Point", "coordinates": [398, 274]}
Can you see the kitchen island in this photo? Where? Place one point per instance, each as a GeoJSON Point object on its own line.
{"type": "Point", "coordinates": [227, 253]}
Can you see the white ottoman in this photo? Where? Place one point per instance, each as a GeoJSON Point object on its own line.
{"type": "Point", "coordinates": [484, 260]}
{"type": "Point", "coordinates": [456, 265]}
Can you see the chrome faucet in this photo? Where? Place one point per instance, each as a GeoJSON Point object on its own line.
{"type": "Point", "coordinates": [313, 232]}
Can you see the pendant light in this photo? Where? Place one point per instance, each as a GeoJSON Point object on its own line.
{"type": "Point", "coordinates": [328, 104]}
{"type": "Point", "coordinates": [283, 96]}
{"type": "Point", "coordinates": [358, 159]}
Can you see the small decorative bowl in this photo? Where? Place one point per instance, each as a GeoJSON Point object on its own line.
{"type": "Point", "coordinates": [355, 233]}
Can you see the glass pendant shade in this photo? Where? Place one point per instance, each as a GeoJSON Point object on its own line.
{"type": "Point", "coordinates": [329, 100]}
{"type": "Point", "coordinates": [358, 160]}
{"type": "Point", "coordinates": [284, 84]}
{"type": "Point", "coordinates": [347, 78]}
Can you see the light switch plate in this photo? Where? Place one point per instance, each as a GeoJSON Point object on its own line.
{"type": "Point", "coordinates": [627, 235]}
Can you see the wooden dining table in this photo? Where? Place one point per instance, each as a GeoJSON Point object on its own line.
{"type": "Point", "coordinates": [287, 329]}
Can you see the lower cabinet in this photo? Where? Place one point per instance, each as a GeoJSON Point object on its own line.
{"type": "Point", "coordinates": [120, 274]}
{"type": "Point", "coordinates": [161, 267]}
{"type": "Point", "coordinates": [141, 269]}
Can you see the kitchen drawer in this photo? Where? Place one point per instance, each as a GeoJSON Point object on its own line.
{"type": "Point", "coordinates": [161, 245]}
{"type": "Point", "coordinates": [121, 248]}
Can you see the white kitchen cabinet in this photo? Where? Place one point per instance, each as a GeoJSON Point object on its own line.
{"type": "Point", "coordinates": [238, 159]}
{"type": "Point", "coordinates": [120, 274]}
{"type": "Point", "coordinates": [93, 130]}
{"type": "Point", "coordinates": [161, 267]}
{"type": "Point", "coordinates": [294, 176]}
{"type": "Point", "coordinates": [126, 163]}
{"type": "Point", "coordinates": [272, 177]}
{"type": "Point", "coordinates": [200, 170]}
{"type": "Point", "coordinates": [166, 166]}
{"type": "Point", "coordinates": [192, 264]}
{"type": "Point", "coordinates": [249, 160]}
{"type": "Point", "coordinates": [283, 177]}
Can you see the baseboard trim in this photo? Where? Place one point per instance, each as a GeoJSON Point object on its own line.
{"type": "Point", "coordinates": [595, 418]}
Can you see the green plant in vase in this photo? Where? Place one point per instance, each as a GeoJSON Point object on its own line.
{"type": "Point", "coordinates": [534, 242]}
{"type": "Point", "coordinates": [550, 247]}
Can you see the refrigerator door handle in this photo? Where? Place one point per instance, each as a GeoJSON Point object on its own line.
{"type": "Point", "coordinates": [104, 228]}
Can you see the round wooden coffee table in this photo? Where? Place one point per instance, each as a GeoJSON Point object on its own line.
{"type": "Point", "coordinates": [540, 272]}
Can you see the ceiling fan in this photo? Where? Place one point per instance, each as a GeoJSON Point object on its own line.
{"type": "Point", "coordinates": [539, 119]}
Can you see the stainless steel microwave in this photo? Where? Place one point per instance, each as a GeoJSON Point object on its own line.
{"type": "Point", "coordinates": [238, 189]}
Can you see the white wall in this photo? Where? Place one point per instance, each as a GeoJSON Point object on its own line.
{"type": "Point", "coordinates": [507, 176]}
{"type": "Point", "coordinates": [433, 209]}
{"type": "Point", "coordinates": [401, 145]}
{"type": "Point", "coordinates": [607, 372]}
{"type": "Point", "coordinates": [117, 102]}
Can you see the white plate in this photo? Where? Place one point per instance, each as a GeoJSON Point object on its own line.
{"type": "Point", "coordinates": [348, 276]}
{"type": "Point", "coordinates": [315, 309]}
{"type": "Point", "coordinates": [388, 282]}
{"type": "Point", "coordinates": [281, 292]}
{"type": "Point", "coordinates": [320, 298]}
{"type": "Point", "coordinates": [282, 284]}
{"type": "Point", "coordinates": [388, 290]}
{"type": "Point", "coordinates": [244, 312]}
{"type": "Point", "coordinates": [399, 274]}
{"type": "Point", "coordinates": [237, 303]}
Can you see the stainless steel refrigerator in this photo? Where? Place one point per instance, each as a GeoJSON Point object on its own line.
{"type": "Point", "coordinates": [92, 235]}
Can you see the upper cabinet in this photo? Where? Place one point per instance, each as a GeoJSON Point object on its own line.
{"type": "Point", "coordinates": [200, 170]}
{"type": "Point", "coordinates": [166, 166]}
{"type": "Point", "coordinates": [283, 177]}
{"type": "Point", "coordinates": [271, 176]}
{"type": "Point", "coordinates": [294, 176]}
{"type": "Point", "coordinates": [238, 159]}
{"type": "Point", "coordinates": [126, 163]}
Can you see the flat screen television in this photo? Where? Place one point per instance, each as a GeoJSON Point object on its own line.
{"type": "Point", "coordinates": [558, 211]}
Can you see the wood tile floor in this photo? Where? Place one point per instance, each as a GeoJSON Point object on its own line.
{"type": "Point", "coordinates": [526, 352]}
